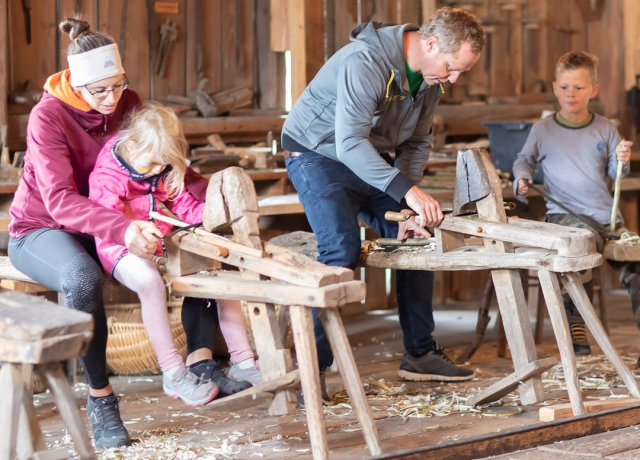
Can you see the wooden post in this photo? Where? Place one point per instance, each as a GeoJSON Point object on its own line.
{"type": "Point", "coordinates": [4, 67]}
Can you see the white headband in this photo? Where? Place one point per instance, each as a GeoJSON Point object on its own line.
{"type": "Point", "coordinates": [95, 65]}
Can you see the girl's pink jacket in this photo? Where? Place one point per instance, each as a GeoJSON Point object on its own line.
{"type": "Point", "coordinates": [111, 186]}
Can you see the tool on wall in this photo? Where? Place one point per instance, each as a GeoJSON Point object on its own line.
{"type": "Point", "coordinates": [26, 7]}
{"type": "Point", "coordinates": [168, 34]}
{"type": "Point", "coordinates": [123, 29]}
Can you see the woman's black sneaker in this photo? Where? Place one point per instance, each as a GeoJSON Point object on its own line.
{"type": "Point", "coordinates": [434, 366]}
{"type": "Point", "coordinates": [209, 370]}
{"type": "Point", "coordinates": [106, 424]}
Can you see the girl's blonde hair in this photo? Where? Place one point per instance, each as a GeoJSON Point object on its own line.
{"type": "Point", "coordinates": [155, 130]}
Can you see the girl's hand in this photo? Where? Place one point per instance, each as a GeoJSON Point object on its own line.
{"type": "Point", "coordinates": [141, 238]}
{"type": "Point", "coordinates": [523, 186]}
{"type": "Point", "coordinates": [623, 151]}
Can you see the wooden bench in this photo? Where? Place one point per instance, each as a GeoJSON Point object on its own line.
{"type": "Point", "coordinates": [31, 334]}
{"type": "Point", "coordinates": [13, 279]}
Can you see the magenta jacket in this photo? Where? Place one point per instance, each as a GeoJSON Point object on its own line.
{"type": "Point", "coordinates": [113, 186]}
{"type": "Point", "coordinates": [62, 146]}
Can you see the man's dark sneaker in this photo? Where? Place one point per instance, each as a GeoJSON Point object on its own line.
{"type": "Point", "coordinates": [106, 424]}
{"type": "Point", "coordinates": [433, 366]}
{"type": "Point", "coordinates": [209, 370]}
{"type": "Point", "coordinates": [326, 400]}
{"type": "Point", "coordinates": [578, 331]}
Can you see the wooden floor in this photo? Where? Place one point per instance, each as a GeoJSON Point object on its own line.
{"type": "Point", "coordinates": [164, 428]}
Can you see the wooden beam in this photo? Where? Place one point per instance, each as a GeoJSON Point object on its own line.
{"type": "Point", "coordinates": [521, 438]}
{"type": "Point", "coordinates": [4, 60]}
{"type": "Point", "coordinates": [560, 411]}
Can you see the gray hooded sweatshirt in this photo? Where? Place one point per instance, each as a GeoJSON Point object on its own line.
{"type": "Point", "coordinates": [359, 104]}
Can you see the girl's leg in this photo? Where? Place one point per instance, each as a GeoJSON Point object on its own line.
{"type": "Point", "coordinates": [142, 276]}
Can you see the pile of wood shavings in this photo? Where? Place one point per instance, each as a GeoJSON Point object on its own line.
{"type": "Point", "coordinates": [399, 401]}
{"type": "Point", "coordinates": [594, 373]}
{"type": "Point", "coordinates": [163, 443]}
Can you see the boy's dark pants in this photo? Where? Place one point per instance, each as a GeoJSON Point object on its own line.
{"type": "Point", "coordinates": [333, 197]}
{"type": "Point", "coordinates": [626, 271]}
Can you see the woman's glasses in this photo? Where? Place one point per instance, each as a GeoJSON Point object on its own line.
{"type": "Point", "coordinates": [102, 93]}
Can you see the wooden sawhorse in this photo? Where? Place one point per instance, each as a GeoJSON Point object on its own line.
{"type": "Point", "coordinates": [39, 333]}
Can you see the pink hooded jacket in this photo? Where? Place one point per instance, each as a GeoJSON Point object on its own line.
{"type": "Point", "coordinates": [111, 185]}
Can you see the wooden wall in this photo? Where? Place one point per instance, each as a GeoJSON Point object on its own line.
{"type": "Point", "coordinates": [234, 40]}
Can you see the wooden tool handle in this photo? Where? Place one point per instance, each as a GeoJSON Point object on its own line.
{"type": "Point", "coordinates": [397, 216]}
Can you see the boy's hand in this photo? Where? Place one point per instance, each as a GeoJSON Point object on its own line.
{"type": "Point", "coordinates": [523, 186]}
{"type": "Point", "coordinates": [623, 151]}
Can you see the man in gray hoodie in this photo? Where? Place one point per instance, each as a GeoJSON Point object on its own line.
{"type": "Point", "coordinates": [356, 143]}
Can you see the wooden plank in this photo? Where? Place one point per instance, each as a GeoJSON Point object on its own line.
{"type": "Point", "coordinates": [50, 349]}
{"type": "Point", "coordinates": [28, 318]}
{"type": "Point", "coordinates": [522, 437]}
{"type": "Point", "coordinates": [604, 445]}
{"type": "Point", "coordinates": [307, 353]}
{"type": "Point", "coordinates": [560, 411]}
{"type": "Point", "coordinates": [568, 241]}
{"type": "Point", "coordinates": [511, 382]}
{"type": "Point", "coordinates": [622, 252]}
{"type": "Point", "coordinates": [476, 258]}
{"type": "Point", "coordinates": [347, 365]}
{"type": "Point", "coordinates": [28, 287]}
{"type": "Point", "coordinates": [227, 125]}
{"type": "Point", "coordinates": [572, 284]}
{"type": "Point", "coordinates": [553, 296]}
{"type": "Point", "coordinates": [269, 64]}
{"type": "Point", "coordinates": [231, 287]}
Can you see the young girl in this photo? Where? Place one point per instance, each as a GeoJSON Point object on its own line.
{"type": "Point", "coordinates": [141, 167]}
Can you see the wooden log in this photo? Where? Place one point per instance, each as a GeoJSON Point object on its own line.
{"type": "Point", "coordinates": [511, 382]}
{"type": "Point", "coordinates": [581, 300]}
{"type": "Point", "coordinates": [304, 337]}
{"type": "Point", "coordinates": [553, 297]}
{"type": "Point", "coordinates": [229, 285]}
{"type": "Point", "coordinates": [560, 411]}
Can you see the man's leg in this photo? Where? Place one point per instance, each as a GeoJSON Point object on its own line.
{"type": "Point", "coordinates": [331, 195]}
{"type": "Point", "coordinates": [424, 360]}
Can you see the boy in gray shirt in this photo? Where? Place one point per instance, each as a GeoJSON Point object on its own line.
{"type": "Point", "coordinates": [578, 150]}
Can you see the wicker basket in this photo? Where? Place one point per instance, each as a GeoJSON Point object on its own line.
{"type": "Point", "coordinates": [129, 350]}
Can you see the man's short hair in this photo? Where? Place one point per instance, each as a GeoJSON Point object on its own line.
{"type": "Point", "coordinates": [453, 27]}
{"type": "Point", "coordinates": [579, 60]}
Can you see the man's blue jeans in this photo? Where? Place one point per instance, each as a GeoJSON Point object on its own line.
{"type": "Point", "coordinates": [333, 197]}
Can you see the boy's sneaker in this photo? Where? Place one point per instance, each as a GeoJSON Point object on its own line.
{"type": "Point", "coordinates": [209, 370]}
{"type": "Point", "coordinates": [187, 386]}
{"type": "Point", "coordinates": [578, 331]}
{"type": "Point", "coordinates": [251, 374]}
{"type": "Point", "coordinates": [106, 424]}
{"type": "Point", "coordinates": [326, 400]}
{"type": "Point", "coordinates": [433, 366]}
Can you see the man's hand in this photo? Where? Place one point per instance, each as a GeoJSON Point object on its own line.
{"type": "Point", "coordinates": [623, 151]}
{"type": "Point", "coordinates": [141, 238]}
{"type": "Point", "coordinates": [523, 186]}
{"type": "Point", "coordinates": [411, 229]}
{"type": "Point", "coordinates": [425, 206]}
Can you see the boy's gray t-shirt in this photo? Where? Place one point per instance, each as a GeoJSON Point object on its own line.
{"type": "Point", "coordinates": [575, 163]}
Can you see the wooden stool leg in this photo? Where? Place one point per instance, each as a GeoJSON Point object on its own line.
{"type": "Point", "coordinates": [347, 365]}
{"type": "Point", "coordinates": [539, 331]}
{"type": "Point", "coordinates": [517, 326]}
{"type": "Point", "coordinates": [30, 439]}
{"type": "Point", "coordinates": [553, 297]}
{"type": "Point", "coordinates": [602, 301]}
{"type": "Point", "coordinates": [307, 353]}
{"type": "Point", "coordinates": [12, 389]}
{"type": "Point", "coordinates": [577, 293]}
{"type": "Point", "coordinates": [68, 411]}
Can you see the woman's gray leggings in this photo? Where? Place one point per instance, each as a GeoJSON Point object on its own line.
{"type": "Point", "coordinates": [68, 263]}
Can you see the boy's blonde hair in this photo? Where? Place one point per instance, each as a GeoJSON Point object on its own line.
{"type": "Point", "coordinates": [579, 60]}
{"type": "Point", "coordinates": [155, 130]}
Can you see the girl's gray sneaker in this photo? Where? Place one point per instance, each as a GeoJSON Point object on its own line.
{"type": "Point", "coordinates": [251, 374]}
{"type": "Point", "coordinates": [185, 385]}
